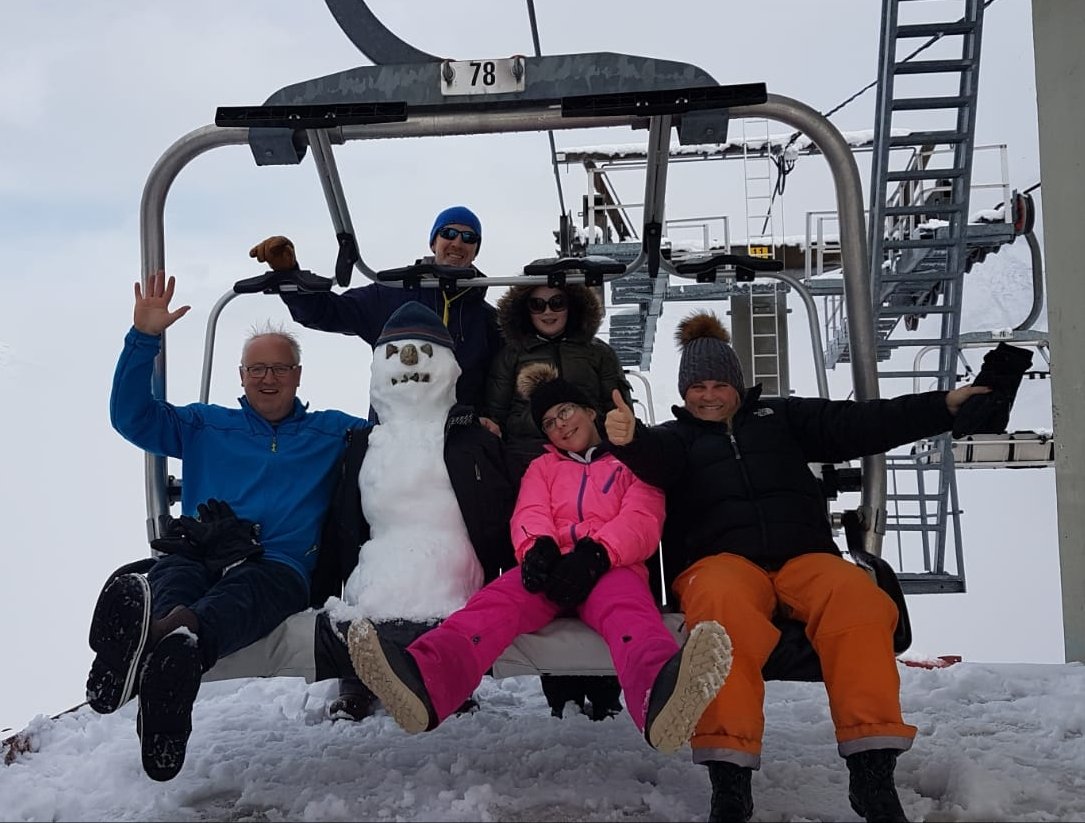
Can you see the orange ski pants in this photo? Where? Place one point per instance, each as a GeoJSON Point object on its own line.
{"type": "Point", "coordinates": [850, 623]}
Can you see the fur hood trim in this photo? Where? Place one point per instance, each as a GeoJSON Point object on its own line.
{"type": "Point", "coordinates": [585, 314]}
{"type": "Point", "coordinates": [532, 376]}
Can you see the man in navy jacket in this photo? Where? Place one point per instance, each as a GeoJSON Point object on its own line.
{"type": "Point", "coordinates": [455, 239]}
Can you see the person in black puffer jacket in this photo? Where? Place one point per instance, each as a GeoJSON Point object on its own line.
{"type": "Point", "coordinates": [747, 532]}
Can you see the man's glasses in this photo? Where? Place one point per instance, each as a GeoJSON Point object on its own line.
{"type": "Point", "coordinates": [469, 237]}
{"type": "Point", "coordinates": [536, 305]}
{"type": "Point", "coordinates": [259, 370]}
{"type": "Point", "coordinates": [563, 413]}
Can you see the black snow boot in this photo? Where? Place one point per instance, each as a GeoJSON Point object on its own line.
{"type": "Point", "coordinates": [119, 636]}
{"type": "Point", "coordinates": [871, 789]}
{"type": "Point", "coordinates": [732, 794]}
{"type": "Point", "coordinates": [355, 701]}
{"type": "Point", "coordinates": [392, 674]}
{"type": "Point", "coordinates": [560, 690]}
{"type": "Point", "coordinates": [603, 692]}
{"type": "Point", "coordinates": [167, 690]}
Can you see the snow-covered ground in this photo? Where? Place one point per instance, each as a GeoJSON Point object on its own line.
{"type": "Point", "coordinates": [996, 742]}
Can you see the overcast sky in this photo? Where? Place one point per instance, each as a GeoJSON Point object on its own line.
{"type": "Point", "coordinates": [94, 93]}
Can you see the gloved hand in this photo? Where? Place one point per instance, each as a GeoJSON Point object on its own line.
{"type": "Point", "coordinates": [218, 537]}
{"type": "Point", "coordinates": [1002, 370]}
{"type": "Point", "coordinates": [277, 251]}
{"type": "Point", "coordinates": [576, 573]}
{"type": "Point", "coordinates": [177, 540]}
{"type": "Point", "coordinates": [537, 563]}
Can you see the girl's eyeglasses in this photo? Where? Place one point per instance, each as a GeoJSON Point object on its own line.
{"type": "Point", "coordinates": [563, 413]}
{"type": "Point", "coordinates": [536, 305]}
{"type": "Point", "coordinates": [469, 237]}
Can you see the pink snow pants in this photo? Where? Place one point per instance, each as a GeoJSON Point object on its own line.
{"type": "Point", "coordinates": [455, 655]}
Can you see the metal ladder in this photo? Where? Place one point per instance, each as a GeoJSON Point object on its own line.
{"type": "Point", "coordinates": [757, 168]}
{"type": "Point", "coordinates": [918, 245]}
{"type": "Point", "coordinates": [759, 334]}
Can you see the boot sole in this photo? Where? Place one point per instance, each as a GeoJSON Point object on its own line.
{"type": "Point", "coordinates": [373, 669]}
{"type": "Point", "coordinates": [118, 636]}
{"type": "Point", "coordinates": [168, 688]}
{"type": "Point", "coordinates": [704, 666]}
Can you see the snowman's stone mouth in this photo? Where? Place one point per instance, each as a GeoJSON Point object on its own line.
{"type": "Point", "coordinates": [413, 377]}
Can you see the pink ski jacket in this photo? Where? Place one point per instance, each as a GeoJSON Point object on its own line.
{"type": "Point", "coordinates": [565, 498]}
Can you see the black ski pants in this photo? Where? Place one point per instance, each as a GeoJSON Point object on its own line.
{"type": "Point", "coordinates": [234, 609]}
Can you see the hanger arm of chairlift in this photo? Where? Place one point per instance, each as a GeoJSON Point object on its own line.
{"type": "Point", "coordinates": [277, 282]}
{"type": "Point", "coordinates": [745, 266]}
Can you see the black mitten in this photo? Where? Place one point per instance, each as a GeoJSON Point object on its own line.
{"type": "Point", "coordinates": [576, 573]}
{"type": "Point", "coordinates": [1002, 370]}
{"type": "Point", "coordinates": [538, 561]}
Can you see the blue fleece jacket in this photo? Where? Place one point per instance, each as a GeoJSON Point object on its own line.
{"type": "Point", "coordinates": [280, 476]}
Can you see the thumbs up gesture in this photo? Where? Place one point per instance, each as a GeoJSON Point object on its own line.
{"type": "Point", "coordinates": [621, 421]}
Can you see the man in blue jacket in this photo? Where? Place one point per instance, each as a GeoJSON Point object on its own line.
{"type": "Point", "coordinates": [233, 570]}
{"type": "Point", "coordinates": [455, 239]}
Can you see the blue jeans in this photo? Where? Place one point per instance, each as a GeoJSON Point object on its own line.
{"type": "Point", "coordinates": [234, 609]}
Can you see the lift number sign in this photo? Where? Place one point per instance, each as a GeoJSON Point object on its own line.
{"type": "Point", "coordinates": [498, 76]}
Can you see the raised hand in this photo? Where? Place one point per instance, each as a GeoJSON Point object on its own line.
{"type": "Point", "coordinates": [152, 313]}
{"type": "Point", "coordinates": [620, 422]}
{"type": "Point", "coordinates": [277, 251]}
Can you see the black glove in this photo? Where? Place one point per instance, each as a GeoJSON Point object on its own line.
{"type": "Point", "coordinates": [177, 541]}
{"type": "Point", "coordinates": [1002, 370]}
{"type": "Point", "coordinates": [218, 538]}
{"type": "Point", "coordinates": [575, 574]}
{"type": "Point", "coordinates": [537, 563]}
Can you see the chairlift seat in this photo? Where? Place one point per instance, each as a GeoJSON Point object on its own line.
{"type": "Point", "coordinates": [1015, 450]}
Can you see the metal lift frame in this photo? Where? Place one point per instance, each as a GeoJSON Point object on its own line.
{"type": "Point", "coordinates": [572, 93]}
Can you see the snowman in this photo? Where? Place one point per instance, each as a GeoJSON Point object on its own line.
{"type": "Point", "coordinates": [419, 563]}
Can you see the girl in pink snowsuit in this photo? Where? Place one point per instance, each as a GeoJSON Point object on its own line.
{"type": "Point", "coordinates": [582, 529]}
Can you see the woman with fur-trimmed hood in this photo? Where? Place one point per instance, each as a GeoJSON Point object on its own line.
{"type": "Point", "coordinates": [556, 326]}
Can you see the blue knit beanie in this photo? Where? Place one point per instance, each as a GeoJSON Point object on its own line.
{"type": "Point", "coordinates": [413, 321]}
{"type": "Point", "coordinates": [460, 216]}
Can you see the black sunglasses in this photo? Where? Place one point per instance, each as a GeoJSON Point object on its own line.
{"type": "Point", "coordinates": [469, 237]}
{"type": "Point", "coordinates": [536, 305]}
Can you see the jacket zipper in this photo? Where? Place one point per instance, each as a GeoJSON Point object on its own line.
{"type": "Point", "coordinates": [611, 479]}
{"type": "Point", "coordinates": [762, 526]}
